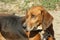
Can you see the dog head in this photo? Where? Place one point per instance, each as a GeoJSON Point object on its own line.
{"type": "Point", "coordinates": [37, 17]}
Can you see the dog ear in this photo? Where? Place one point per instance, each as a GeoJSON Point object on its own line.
{"type": "Point", "coordinates": [47, 19]}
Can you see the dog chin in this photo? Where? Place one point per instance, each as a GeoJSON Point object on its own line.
{"type": "Point", "coordinates": [39, 27]}
{"type": "Point", "coordinates": [29, 29]}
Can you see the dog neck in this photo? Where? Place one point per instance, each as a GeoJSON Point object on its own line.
{"type": "Point", "coordinates": [44, 35]}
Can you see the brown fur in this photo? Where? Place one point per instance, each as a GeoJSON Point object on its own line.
{"type": "Point", "coordinates": [38, 15]}
{"type": "Point", "coordinates": [33, 35]}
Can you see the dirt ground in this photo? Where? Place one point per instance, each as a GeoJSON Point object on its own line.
{"type": "Point", "coordinates": [56, 23]}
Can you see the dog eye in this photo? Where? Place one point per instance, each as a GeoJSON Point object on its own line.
{"type": "Point", "coordinates": [33, 16]}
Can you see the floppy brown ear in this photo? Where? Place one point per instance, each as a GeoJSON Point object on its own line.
{"type": "Point", "coordinates": [47, 19]}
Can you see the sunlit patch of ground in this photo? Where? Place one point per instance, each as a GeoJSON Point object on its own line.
{"type": "Point", "coordinates": [56, 23]}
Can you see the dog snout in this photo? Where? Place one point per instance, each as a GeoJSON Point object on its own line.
{"type": "Point", "coordinates": [24, 27]}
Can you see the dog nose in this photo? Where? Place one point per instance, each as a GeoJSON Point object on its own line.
{"type": "Point", "coordinates": [24, 27]}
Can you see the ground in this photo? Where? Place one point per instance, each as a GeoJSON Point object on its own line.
{"type": "Point", "coordinates": [56, 23]}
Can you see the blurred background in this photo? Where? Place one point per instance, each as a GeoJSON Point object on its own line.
{"type": "Point", "coordinates": [19, 8]}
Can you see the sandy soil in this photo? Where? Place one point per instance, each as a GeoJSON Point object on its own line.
{"type": "Point", "coordinates": [56, 23]}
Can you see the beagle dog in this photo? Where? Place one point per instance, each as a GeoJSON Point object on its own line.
{"type": "Point", "coordinates": [37, 18]}
{"type": "Point", "coordinates": [15, 31]}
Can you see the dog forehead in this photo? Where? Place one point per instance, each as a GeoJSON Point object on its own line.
{"type": "Point", "coordinates": [35, 12]}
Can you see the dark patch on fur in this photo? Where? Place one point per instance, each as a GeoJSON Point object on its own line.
{"type": "Point", "coordinates": [11, 27]}
{"type": "Point", "coordinates": [50, 31]}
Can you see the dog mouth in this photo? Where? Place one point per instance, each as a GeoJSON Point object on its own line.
{"type": "Point", "coordinates": [34, 28]}
{"type": "Point", "coordinates": [37, 26]}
